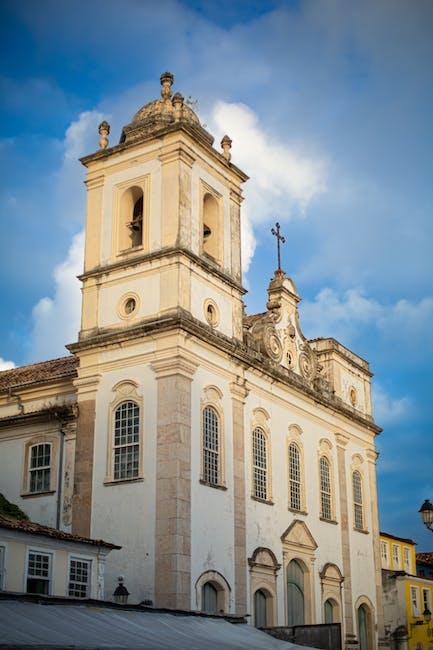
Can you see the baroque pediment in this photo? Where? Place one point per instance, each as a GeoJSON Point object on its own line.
{"type": "Point", "coordinates": [298, 534]}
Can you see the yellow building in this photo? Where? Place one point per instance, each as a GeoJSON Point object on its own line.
{"type": "Point", "coordinates": [407, 598]}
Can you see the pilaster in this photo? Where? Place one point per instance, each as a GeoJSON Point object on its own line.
{"type": "Point", "coordinates": [173, 483]}
{"type": "Point", "coordinates": [239, 393]}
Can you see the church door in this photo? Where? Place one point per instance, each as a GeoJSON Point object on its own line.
{"type": "Point", "coordinates": [260, 614]}
{"type": "Point", "coordinates": [363, 628]}
{"type": "Point", "coordinates": [295, 594]}
{"type": "Point", "coordinates": [210, 599]}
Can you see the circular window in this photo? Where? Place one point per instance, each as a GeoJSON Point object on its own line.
{"type": "Point", "coordinates": [211, 313]}
{"type": "Point", "coordinates": [128, 306]}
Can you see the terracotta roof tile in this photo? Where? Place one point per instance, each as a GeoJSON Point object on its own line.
{"type": "Point", "coordinates": [39, 372]}
{"type": "Point", "coordinates": [32, 528]}
{"type": "Point", "coordinates": [426, 558]}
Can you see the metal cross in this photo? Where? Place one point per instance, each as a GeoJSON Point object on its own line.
{"type": "Point", "coordinates": [280, 239]}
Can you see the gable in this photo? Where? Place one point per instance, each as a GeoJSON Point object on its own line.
{"type": "Point", "coordinates": [298, 534]}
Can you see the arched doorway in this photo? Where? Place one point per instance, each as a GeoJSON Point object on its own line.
{"type": "Point", "coordinates": [364, 628]}
{"type": "Point", "coordinates": [260, 609]}
{"type": "Point", "coordinates": [209, 599]}
{"type": "Point", "coordinates": [329, 608]}
{"type": "Point", "coordinates": [295, 594]}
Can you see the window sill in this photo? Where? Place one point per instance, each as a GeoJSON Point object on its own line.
{"type": "Point", "coordinates": [297, 512]}
{"type": "Point", "coordinates": [329, 521]}
{"type": "Point", "coordinates": [266, 501]}
{"type": "Point", "coordinates": [364, 531]}
{"type": "Point", "coordinates": [217, 486]}
{"type": "Point", "coordinates": [122, 481]}
{"type": "Point", "coordinates": [29, 495]}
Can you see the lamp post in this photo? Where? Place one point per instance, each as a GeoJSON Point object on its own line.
{"type": "Point", "coordinates": [426, 514]}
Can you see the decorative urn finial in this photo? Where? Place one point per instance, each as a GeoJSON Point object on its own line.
{"type": "Point", "coordinates": [178, 100]}
{"type": "Point", "coordinates": [104, 130]}
{"type": "Point", "coordinates": [166, 84]}
{"type": "Point", "coordinates": [226, 145]}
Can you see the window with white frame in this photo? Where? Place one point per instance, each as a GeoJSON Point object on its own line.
{"type": "Point", "coordinates": [396, 557]}
{"type": "Point", "coordinates": [357, 500]}
{"type": "Point", "coordinates": [126, 447]}
{"type": "Point", "coordinates": [211, 446]}
{"type": "Point", "coordinates": [79, 578]}
{"type": "Point", "coordinates": [260, 464]}
{"type": "Point", "coordinates": [384, 553]}
{"type": "Point", "coordinates": [426, 600]}
{"type": "Point", "coordinates": [40, 467]}
{"type": "Point", "coordinates": [295, 487]}
{"type": "Point", "coordinates": [39, 573]}
{"type": "Point", "coordinates": [2, 566]}
{"type": "Point", "coordinates": [325, 489]}
{"type": "Point", "coordinates": [414, 599]}
{"type": "Point", "coordinates": [407, 564]}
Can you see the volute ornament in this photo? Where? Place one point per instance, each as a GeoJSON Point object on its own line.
{"type": "Point", "coordinates": [267, 339]}
{"type": "Point", "coordinates": [308, 363]}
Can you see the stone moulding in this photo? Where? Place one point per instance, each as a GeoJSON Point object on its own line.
{"type": "Point", "coordinates": [250, 359]}
{"type": "Point", "coordinates": [61, 413]}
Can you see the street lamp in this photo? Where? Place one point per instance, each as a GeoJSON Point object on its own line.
{"type": "Point", "coordinates": [426, 514]}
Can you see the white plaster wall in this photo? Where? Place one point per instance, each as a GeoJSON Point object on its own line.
{"type": "Point", "coordinates": [200, 292]}
{"type": "Point", "coordinates": [146, 287]}
{"type": "Point", "coordinates": [212, 525]}
{"type": "Point", "coordinates": [125, 513]}
{"type": "Point", "coordinates": [42, 509]}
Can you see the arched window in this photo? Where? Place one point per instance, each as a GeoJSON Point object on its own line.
{"type": "Point", "coordinates": [260, 609]}
{"type": "Point", "coordinates": [325, 489]}
{"type": "Point", "coordinates": [126, 441]}
{"type": "Point", "coordinates": [329, 611]}
{"type": "Point", "coordinates": [295, 485]}
{"type": "Point", "coordinates": [295, 594]}
{"type": "Point", "coordinates": [357, 500]}
{"type": "Point", "coordinates": [260, 464]}
{"type": "Point", "coordinates": [131, 219]}
{"type": "Point", "coordinates": [211, 241]}
{"type": "Point", "coordinates": [209, 598]}
{"type": "Point", "coordinates": [211, 446]}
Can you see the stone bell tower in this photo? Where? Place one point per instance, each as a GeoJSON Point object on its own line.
{"type": "Point", "coordinates": [163, 223]}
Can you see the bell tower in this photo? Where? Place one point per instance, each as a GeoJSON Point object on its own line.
{"type": "Point", "coordinates": [163, 224]}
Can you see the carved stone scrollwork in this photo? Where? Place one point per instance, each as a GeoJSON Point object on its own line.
{"type": "Point", "coordinates": [265, 335]}
{"type": "Point", "coordinates": [308, 363]}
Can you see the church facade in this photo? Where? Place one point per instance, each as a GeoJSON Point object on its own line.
{"type": "Point", "coordinates": [230, 457]}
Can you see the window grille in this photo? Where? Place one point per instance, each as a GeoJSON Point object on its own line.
{"type": "Point", "coordinates": [38, 573]}
{"type": "Point", "coordinates": [210, 445]}
{"type": "Point", "coordinates": [260, 464]}
{"type": "Point", "coordinates": [40, 468]}
{"type": "Point", "coordinates": [79, 578]}
{"type": "Point", "coordinates": [325, 489]}
{"type": "Point", "coordinates": [294, 477]}
{"type": "Point", "coordinates": [126, 441]}
{"type": "Point", "coordinates": [357, 500]}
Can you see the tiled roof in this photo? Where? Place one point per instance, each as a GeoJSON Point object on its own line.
{"type": "Point", "coordinates": [32, 528]}
{"type": "Point", "coordinates": [400, 539]}
{"type": "Point", "coordinates": [39, 372]}
{"type": "Point", "coordinates": [426, 558]}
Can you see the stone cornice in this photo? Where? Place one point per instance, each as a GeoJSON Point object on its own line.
{"type": "Point", "coordinates": [178, 365]}
{"type": "Point", "coordinates": [163, 253]}
{"type": "Point", "coordinates": [190, 130]}
{"type": "Point", "coordinates": [239, 390]}
{"type": "Point", "coordinates": [341, 440]}
{"type": "Point", "coordinates": [249, 359]}
{"type": "Point", "coordinates": [63, 413]}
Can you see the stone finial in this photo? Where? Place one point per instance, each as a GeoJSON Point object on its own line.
{"type": "Point", "coordinates": [226, 145]}
{"type": "Point", "coordinates": [104, 130]}
{"type": "Point", "coordinates": [166, 84]}
{"type": "Point", "coordinates": [178, 105]}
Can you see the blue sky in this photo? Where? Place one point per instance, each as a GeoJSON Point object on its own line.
{"type": "Point", "coordinates": [329, 105]}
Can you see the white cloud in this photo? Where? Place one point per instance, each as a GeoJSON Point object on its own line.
{"type": "Point", "coordinates": [387, 409]}
{"type": "Point", "coordinates": [56, 320]}
{"type": "Point", "coordinates": [282, 182]}
{"type": "Point", "coordinates": [343, 315]}
{"type": "Point", "coordinates": [6, 365]}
